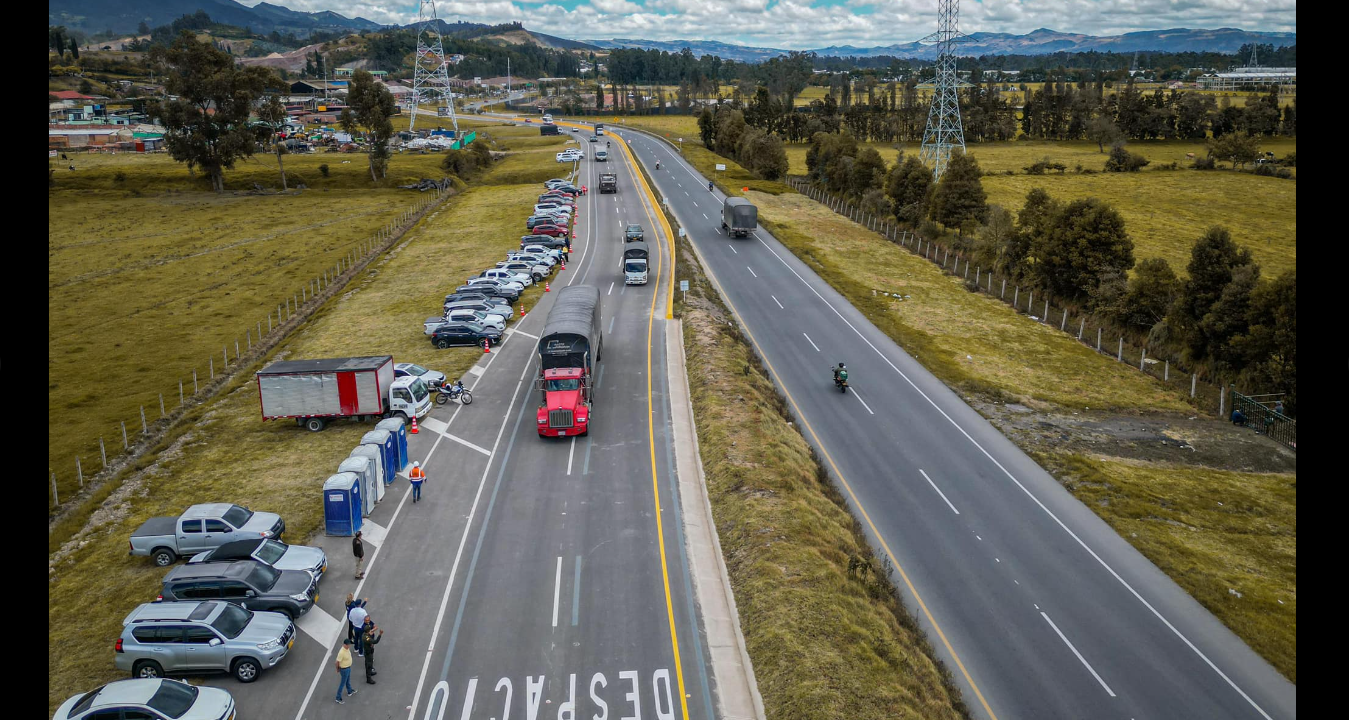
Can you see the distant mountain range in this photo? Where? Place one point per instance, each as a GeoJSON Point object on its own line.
{"type": "Point", "coordinates": [1037, 42]}
{"type": "Point", "coordinates": [123, 16]}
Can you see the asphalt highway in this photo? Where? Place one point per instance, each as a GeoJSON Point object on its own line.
{"type": "Point", "coordinates": [1038, 608]}
{"type": "Point", "coordinates": [536, 577]}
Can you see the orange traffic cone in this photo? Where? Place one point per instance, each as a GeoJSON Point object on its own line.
{"type": "Point", "coordinates": [547, 287]}
{"type": "Point", "coordinates": [564, 266]}
{"type": "Point", "coordinates": [486, 346]}
{"type": "Point", "coordinates": [522, 312]}
{"type": "Point", "coordinates": [413, 430]}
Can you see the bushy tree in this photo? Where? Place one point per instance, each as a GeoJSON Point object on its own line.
{"type": "Point", "coordinates": [764, 154]}
{"type": "Point", "coordinates": [1212, 261]}
{"type": "Point", "coordinates": [707, 128]}
{"type": "Point", "coordinates": [206, 119]}
{"type": "Point", "coordinates": [1103, 131]}
{"type": "Point", "coordinates": [1078, 246]}
{"type": "Point", "coordinates": [996, 248]}
{"type": "Point", "coordinates": [1121, 160]}
{"type": "Point", "coordinates": [272, 112]}
{"type": "Point", "coordinates": [868, 171]}
{"type": "Point", "coordinates": [1224, 325]}
{"type": "Point", "coordinates": [1148, 295]}
{"type": "Point", "coordinates": [1238, 148]}
{"type": "Point", "coordinates": [959, 198]}
{"type": "Point", "coordinates": [909, 188]}
{"type": "Point", "coordinates": [371, 106]}
{"type": "Point", "coordinates": [1268, 349]}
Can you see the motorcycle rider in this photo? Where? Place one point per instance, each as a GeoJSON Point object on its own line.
{"type": "Point", "coordinates": [657, 164]}
{"type": "Point", "coordinates": [840, 374]}
{"type": "Point", "coordinates": [709, 186]}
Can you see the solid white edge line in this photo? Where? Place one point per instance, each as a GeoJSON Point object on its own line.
{"type": "Point", "coordinates": [557, 587]}
{"type": "Point", "coordinates": [939, 492]}
{"type": "Point", "coordinates": [1075, 652]}
{"type": "Point", "coordinates": [812, 342]}
{"type": "Point", "coordinates": [1025, 490]}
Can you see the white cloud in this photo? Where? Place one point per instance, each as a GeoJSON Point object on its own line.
{"type": "Point", "coordinates": [803, 24]}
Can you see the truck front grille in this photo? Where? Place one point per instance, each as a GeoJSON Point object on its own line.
{"type": "Point", "coordinates": [560, 419]}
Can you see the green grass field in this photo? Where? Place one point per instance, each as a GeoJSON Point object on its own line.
{"type": "Point", "coordinates": [227, 452]}
{"type": "Point", "coordinates": [1166, 212]}
{"type": "Point", "coordinates": [826, 643]}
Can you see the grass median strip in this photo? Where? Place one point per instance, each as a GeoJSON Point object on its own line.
{"type": "Point", "coordinates": [226, 452]}
{"type": "Point", "coordinates": [824, 628]}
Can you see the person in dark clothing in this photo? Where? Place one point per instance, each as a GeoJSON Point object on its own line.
{"type": "Point", "coordinates": [370, 638]}
{"type": "Point", "coordinates": [358, 549]}
{"type": "Point", "coordinates": [352, 602]}
{"type": "Point", "coordinates": [1238, 418]}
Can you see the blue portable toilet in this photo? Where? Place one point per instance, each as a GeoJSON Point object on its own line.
{"type": "Point", "coordinates": [342, 504]}
{"type": "Point", "coordinates": [400, 432]}
{"type": "Point", "coordinates": [386, 442]}
{"type": "Point", "coordinates": [372, 453]}
{"type": "Point", "coordinates": [360, 467]}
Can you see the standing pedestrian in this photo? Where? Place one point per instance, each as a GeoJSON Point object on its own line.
{"type": "Point", "coordinates": [1278, 407]}
{"type": "Point", "coordinates": [344, 671]}
{"type": "Point", "coordinates": [373, 634]}
{"type": "Point", "coordinates": [358, 549]}
{"type": "Point", "coordinates": [346, 613]}
{"type": "Point", "coordinates": [416, 476]}
{"type": "Point", "coordinates": [357, 618]}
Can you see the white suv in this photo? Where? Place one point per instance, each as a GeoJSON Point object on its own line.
{"type": "Point", "coordinates": [475, 316]}
{"type": "Point", "coordinates": [570, 156]}
{"type": "Point", "coordinates": [508, 276]}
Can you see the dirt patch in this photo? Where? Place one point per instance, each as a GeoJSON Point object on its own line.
{"type": "Point", "coordinates": [1148, 436]}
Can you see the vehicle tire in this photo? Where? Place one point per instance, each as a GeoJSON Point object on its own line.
{"type": "Point", "coordinates": [147, 669]}
{"type": "Point", "coordinates": [315, 424]}
{"type": "Point", "coordinates": [442, 398]}
{"type": "Point", "coordinates": [584, 432]}
{"type": "Point", "coordinates": [466, 398]}
{"type": "Point", "coordinates": [442, 343]}
{"type": "Point", "coordinates": [538, 278]}
{"type": "Point", "coordinates": [483, 343]}
{"type": "Point", "coordinates": [401, 416]}
{"type": "Point", "coordinates": [843, 388]}
{"type": "Point", "coordinates": [246, 670]}
{"type": "Point", "coordinates": [164, 557]}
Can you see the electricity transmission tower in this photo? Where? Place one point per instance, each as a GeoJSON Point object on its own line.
{"type": "Point", "coordinates": [430, 77]}
{"type": "Point", "coordinates": [944, 128]}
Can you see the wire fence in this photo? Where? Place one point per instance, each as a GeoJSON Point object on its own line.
{"type": "Point", "coordinates": [141, 432]}
{"type": "Point", "coordinates": [1207, 391]}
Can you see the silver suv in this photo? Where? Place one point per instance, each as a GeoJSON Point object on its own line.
{"type": "Point", "coordinates": [196, 637]}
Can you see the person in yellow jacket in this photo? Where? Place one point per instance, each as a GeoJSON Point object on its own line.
{"type": "Point", "coordinates": [417, 476]}
{"type": "Point", "coordinates": [344, 671]}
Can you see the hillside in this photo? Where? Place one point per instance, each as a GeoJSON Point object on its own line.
{"type": "Point", "coordinates": [123, 16]}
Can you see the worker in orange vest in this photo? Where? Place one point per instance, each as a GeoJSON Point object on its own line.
{"type": "Point", "coordinates": [417, 476]}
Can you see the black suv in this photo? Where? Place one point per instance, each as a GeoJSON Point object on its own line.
{"type": "Point", "coordinates": [509, 294]}
{"type": "Point", "coordinates": [244, 582]}
{"type": "Point", "coordinates": [547, 241]}
{"type": "Point", "coordinates": [453, 334]}
{"type": "Point", "coordinates": [633, 232]}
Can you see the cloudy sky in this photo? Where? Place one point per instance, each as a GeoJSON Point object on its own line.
{"type": "Point", "coordinates": [803, 24]}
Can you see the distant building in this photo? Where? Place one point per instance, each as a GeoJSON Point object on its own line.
{"type": "Point", "coordinates": [317, 87]}
{"type": "Point", "coordinates": [455, 59]}
{"type": "Point", "coordinates": [1250, 78]}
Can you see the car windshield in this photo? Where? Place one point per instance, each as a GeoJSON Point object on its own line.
{"type": "Point", "coordinates": [419, 391]}
{"type": "Point", "coordinates": [571, 384]}
{"type": "Point", "coordinates": [237, 516]}
{"type": "Point", "coordinates": [416, 369]}
{"type": "Point", "coordinates": [263, 577]}
{"type": "Point", "coordinates": [232, 621]}
{"type": "Point", "coordinates": [271, 551]}
{"type": "Point", "coordinates": [86, 701]}
{"type": "Point", "coordinates": [173, 699]}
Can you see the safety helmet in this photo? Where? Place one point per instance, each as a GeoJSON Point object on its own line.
{"type": "Point", "coordinates": [416, 464]}
{"type": "Point", "coordinates": [841, 365]}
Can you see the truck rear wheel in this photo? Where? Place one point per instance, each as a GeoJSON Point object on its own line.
{"type": "Point", "coordinates": [163, 557]}
{"type": "Point", "coordinates": [315, 424]}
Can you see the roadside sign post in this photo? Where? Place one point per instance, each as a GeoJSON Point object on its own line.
{"type": "Point", "coordinates": [684, 284]}
{"type": "Point", "coordinates": [681, 146]}
{"type": "Point", "coordinates": [721, 167]}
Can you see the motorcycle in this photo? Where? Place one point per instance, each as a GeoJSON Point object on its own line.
{"type": "Point", "coordinates": [447, 392]}
{"type": "Point", "coordinates": [657, 164]}
{"type": "Point", "coordinates": [709, 186]}
{"type": "Point", "coordinates": [841, 381]}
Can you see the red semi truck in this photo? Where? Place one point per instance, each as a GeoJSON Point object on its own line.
{"type": "Point", "coordinates": [570, 345]}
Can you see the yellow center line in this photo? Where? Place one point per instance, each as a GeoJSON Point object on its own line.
{"type": "Point", "coordinates": [847, 486]}
{"type": "Point", "coordinates": [650, 426]}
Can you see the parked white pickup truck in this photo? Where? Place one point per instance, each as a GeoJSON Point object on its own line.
{"type": "Point", "coordinates": [203, 527]}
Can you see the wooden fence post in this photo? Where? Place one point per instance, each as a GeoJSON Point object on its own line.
{"type": "Point", "coordinates": [1142, 360]}
{"type": "Point", "coordinates": [1081, 327]}
{"type": "Point", "coordinates": [79, 471]}
{"type": "Point", "coordinates": [1098, 339]}
{"type": "Point", "coordinates": [103, 453]}
{"type": "Point", "coordinates": [1120, 356]}
{"type": "Point", "coordinates": [145, 428]}
{"type": "Point", "coordinates": [1194, 381]}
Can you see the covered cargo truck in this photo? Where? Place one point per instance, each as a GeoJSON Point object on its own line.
{"type": "Point", "coordinates": [636, 258]}
{"type": "Point", "coordinates": [569, 346]}
{"type": "Point", "coordinates": [313, 392]}
{"type": "Point", "coordinates": [739, 217]}
{"type": "Point", "coordinates": [608, 183]}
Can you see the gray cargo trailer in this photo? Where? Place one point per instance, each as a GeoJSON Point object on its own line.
{"type": "Point", "coordinates": [739, 217]}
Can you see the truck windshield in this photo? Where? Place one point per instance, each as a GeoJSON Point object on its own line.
{"type": "Point", "coordinates": [634, 267]}
{"type": "Point", "coordinates": [571, 384]}
{"type": "Point", "coordinates": [419, 391]}
{"type": "Point", "coordinates": [232, 621]}
{"type": "Point", "coordinates": [236, 516]}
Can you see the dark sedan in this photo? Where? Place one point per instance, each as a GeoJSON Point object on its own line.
{"type": "Point", "coordinates": [458, 334]}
